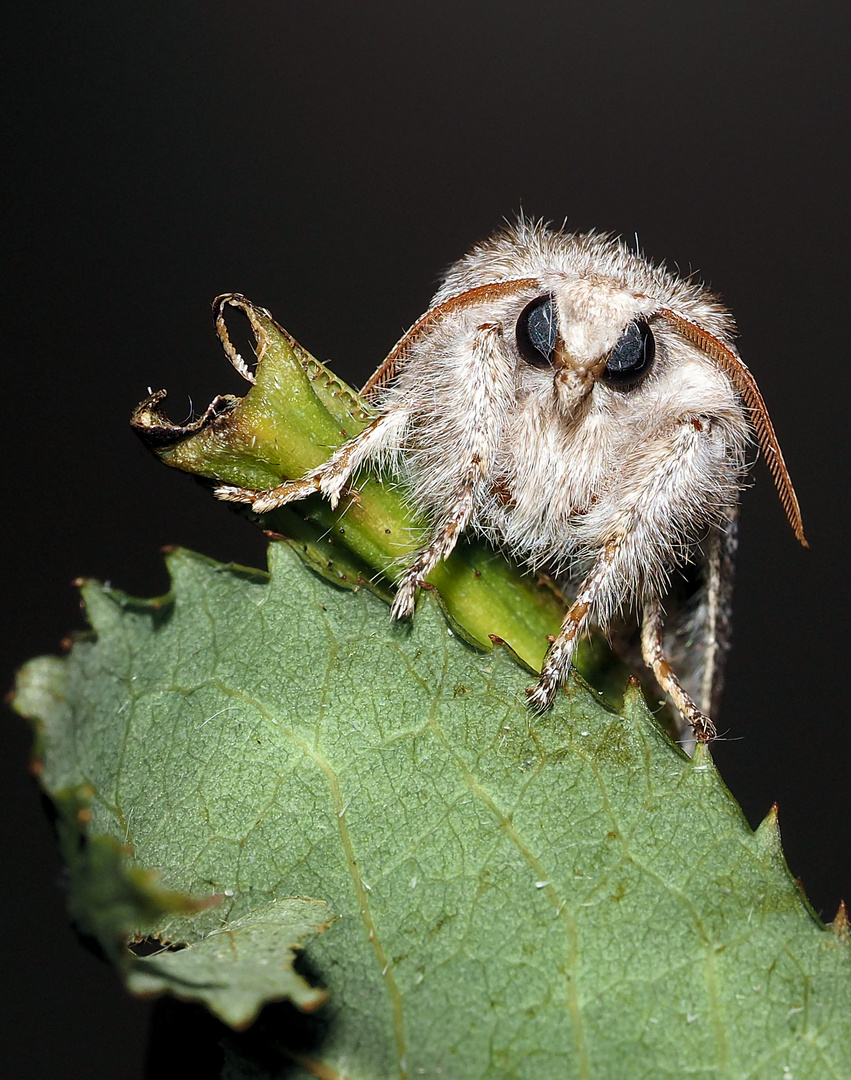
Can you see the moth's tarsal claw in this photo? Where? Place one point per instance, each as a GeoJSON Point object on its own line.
{"type": "Point", "coordinates": [540, 697]}
{"type": "Point", "coordinates": [403, 603]}
{"type": "Point", "coordinates": [703, 728]}
{"type": "Point", "coordinates": [230, 493]}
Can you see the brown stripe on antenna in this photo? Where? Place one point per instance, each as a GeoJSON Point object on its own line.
{"type": "Point", "coordinates": [745, 384]}
{"type": "Point", "coordinates": [399, 352]}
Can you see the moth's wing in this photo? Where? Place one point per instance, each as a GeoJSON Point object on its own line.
{"type": "Point", "coordinates": [698, 616]}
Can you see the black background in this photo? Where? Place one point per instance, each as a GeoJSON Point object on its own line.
{"type": "Point", "coordinates": [329, 161]}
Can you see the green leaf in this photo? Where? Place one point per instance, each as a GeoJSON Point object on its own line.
{"type": "Point", "coordinates": [566, 895]}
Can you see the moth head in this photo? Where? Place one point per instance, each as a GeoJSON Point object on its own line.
{"type": "Point", "coordinates": [584, 333]}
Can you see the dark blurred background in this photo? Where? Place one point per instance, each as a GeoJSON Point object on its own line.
{"type": "Point", "coordinates": [328, 161]}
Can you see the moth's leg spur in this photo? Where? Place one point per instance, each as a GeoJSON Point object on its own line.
{"type": "Point", "coordinates": [482, 374]}
{"type": "Point", "coordinates": [560, 654]}
{"type": "Point", "coordinates": [331, 477]}
{"type": "Point", "coordinates": [654, 658]}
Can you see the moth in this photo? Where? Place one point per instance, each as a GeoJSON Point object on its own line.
{"type": "Point", "coordinates": [587, 411]}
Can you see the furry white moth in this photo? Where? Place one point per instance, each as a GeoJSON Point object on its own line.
{"type": "Point", "coordinates": [588, 412]}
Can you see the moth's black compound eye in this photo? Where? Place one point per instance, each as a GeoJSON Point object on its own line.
{"type": "Point", "coordinates": [537, 331]}
{"type": "Point", "coordinates": [632, 357]}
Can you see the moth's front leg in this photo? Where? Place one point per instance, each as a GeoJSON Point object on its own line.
{"type": "Point", "coordinates": [483, 371]}
{"type": "Point", "coordinates": [443, 540]}
{"type": "Point", "coordinates": [331, 477]}
{"type": "Point", "coordinates": [560, 653]}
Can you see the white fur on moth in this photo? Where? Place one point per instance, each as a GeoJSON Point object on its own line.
{"type": "Point", "coordinates": [586, 411]}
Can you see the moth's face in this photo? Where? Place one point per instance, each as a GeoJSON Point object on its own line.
{"type": "Point", "coordinates": [585, 332]}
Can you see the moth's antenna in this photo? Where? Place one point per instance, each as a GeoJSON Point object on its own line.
{"type": "Point", "coordinates": [399, 352]}
{"type": "Point", "coordinates": [745, 384]}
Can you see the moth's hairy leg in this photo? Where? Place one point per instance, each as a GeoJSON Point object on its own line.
{"type": "Point", "coordinates": [270, 499]}
{"type": "Point", "coordinates": [654, 656]}
{"type": "Point", "coordinates": [483, 368]}
{"type": "Point", "coordinates": [331, 477]}
{"type": "Point", "coordinates": [560, 653]}
{"type": "Point", "coordinates": [442, 542]}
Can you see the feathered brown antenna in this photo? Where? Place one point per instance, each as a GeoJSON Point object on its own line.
{"type": "Point", "coordinates": [399, 352]}
{"type": "Point", "coordinates": [745, 384]}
